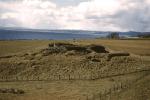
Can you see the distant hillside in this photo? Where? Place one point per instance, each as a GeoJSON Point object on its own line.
{"type": "Point", "coordinates": [23, 33]}
{"type": "Point", "coordinates": [144, 35]}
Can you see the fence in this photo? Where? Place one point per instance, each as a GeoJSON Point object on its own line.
{"type": "Point", "coordinates": [111, 93]}
{"type": "Point", "coordinates": [115, 89]}
{"type": "Point", "coordinates": [107, 94]}
{"type": "Point", "coordinates": [67, 77]}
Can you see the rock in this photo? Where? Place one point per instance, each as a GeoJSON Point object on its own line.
{"type": "Point", "coordinates": [70, 49]}
{"type": "Point", "coordinates": [11, 90]}
{"type": "Point", "coordinates": [116, 54]}
{"type": "Point", "coordinates": [95, 60]}
{"type": "Point", "coordinates": [3, 90]}
{"type": "Point", "coordinates": [97, 48]}
{"type": "Point", "coordinates": [69, 53]}
{"type": "Point", "coordinates": [16, 91]}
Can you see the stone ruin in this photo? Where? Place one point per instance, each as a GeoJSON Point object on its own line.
{"type": "Point", "coordinates": [57, 48]}
{"type": "Point", "coordinates": [71, 49]}
{"type": "Point", "coordinates": [11, 90]}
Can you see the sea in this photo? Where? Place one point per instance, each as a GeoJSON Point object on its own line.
{"type": "Point", "coordinates": [48, 35]}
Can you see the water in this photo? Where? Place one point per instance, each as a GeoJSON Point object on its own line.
{"type": "Point", "coordinates": [17, 35]}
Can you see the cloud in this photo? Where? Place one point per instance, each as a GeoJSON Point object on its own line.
{"type": "Point", "coordinates": [105, 15]}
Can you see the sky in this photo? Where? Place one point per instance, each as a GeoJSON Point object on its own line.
{"type": "Point", "coordinates": [102, 15]}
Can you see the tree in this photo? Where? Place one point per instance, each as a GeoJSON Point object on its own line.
{"type": "Point", "coordinates": [113, 35]}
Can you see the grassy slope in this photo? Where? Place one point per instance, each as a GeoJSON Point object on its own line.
{"type": "Point", "coordinates": [137, 91]}
{"type": "Point", "coordinates": [78, 90]}
{"type": "Point", "coordinates": [61, 66]}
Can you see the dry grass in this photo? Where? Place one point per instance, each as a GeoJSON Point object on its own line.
{"type": "Point", "coordinates": [140, 47]}
{"type": "Point", "coordinates": [76, 90]}
{"type": "Point", "coordinates": [16, 46]}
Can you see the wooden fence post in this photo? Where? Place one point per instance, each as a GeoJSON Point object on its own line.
{"type": "Point", "coordinates": [17, 78]}
{"type": "Point", "coordinates": [38, 78]}
{"type": "Point", "coordinates": [93, 97]}
{"type": "Point", "coordinates": [59, 78]}
{"type": "Point", "coordinates": [79, 77]}
{"type": "Point", "coordinates": [100, 96]}
{"type": "Point", "coordinates": [69, 76]}
{"type": "Point", "coordinates": [87, 97]}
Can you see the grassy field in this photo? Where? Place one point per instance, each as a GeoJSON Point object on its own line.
{"type": "Point", "coordinates": [101, 89]}
{"type": "Point", "coordinates": [78, 76]}
{"type": "Point", "coordinates": [140, 47]}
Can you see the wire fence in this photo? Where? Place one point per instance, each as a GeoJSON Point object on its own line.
{"type": "Point", "coordinates": [106, 94]}
{"type": "Point", "coordinates": [67, 77]}
{"type": "Point", "coordinates": [115, 89]}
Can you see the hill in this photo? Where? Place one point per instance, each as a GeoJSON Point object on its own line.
{"type": "Point", "coordinates": [80, 70]}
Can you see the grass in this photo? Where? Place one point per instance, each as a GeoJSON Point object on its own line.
{"type": "Point", "coordinates": [75, 89]}
{"type": "Point", "coordinates": [16, 46]}
{"type": "Point", "coordinates": [140, 47]}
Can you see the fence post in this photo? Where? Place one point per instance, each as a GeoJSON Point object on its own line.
{"type": "Point", "coordinates": [87, 97]}
{"type": "Point", "coordinates": [69, 76]}
{"type": "Point", "coordinates": [38, 78]}
{"type": "Point", "coordinates": [93, 97]}
{"type": "Point", "coordinates": [121, 85]}
{"type": "Point", "coordinates": [100, 96]}
{"type": "Point", "coordinates": [17, 78]}
{"type": "Point", "coordinates": [59, 77]}
{"type": "Point", "coordinates": [114, 88]}
{"type": "Point", "coordinates": [6, 78]}
{"type": "Point", "coordinates": [79, 76]}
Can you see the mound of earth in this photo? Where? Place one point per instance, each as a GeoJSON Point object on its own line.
{"type": "Point", "coordinates": [81, 62]}
{"type": "Point", "coordinates": [66, 47]}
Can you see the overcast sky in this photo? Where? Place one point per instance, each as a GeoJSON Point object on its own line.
{"type": "Point", "coordinates": [103, 15]}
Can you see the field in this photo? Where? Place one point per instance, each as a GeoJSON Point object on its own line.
{"type": "Point", "coordinates": [75, 70]}
{"type": "Point", "coordinates": [140, 47]}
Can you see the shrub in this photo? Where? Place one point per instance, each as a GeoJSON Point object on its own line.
{"type": "Point", "coordinates": [113, 35]}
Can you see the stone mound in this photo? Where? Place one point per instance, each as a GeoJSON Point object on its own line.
{"type": "Point", "coordinates": [117, 54]}
{"type": "Point", "coordinates": [97, 48]}
{"type": "Point", "coordinates": [11, 90]}
{"type": "Point", "coordinates": [55, 48]}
